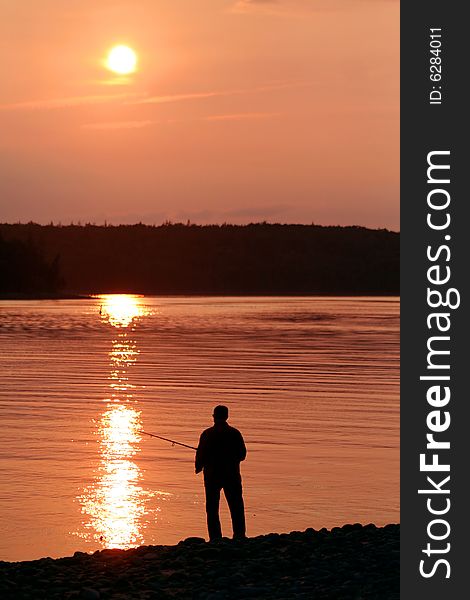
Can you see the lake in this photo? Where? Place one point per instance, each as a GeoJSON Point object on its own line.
{"type": "Point", "coordinates": [312, 383]}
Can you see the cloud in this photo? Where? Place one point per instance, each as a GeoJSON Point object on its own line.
{"type": "Point", "coordinates": [245, 6]}
{"type": "Point", "coordinates": [256, 2]}
{"type": "Point", "coordinates": [278, 85]}
{"type": "Point", "coordinates": [141, 98]}
{"type": "Point", "coordinates": [257, 212]}
{"type": "Point", "coordinates": [113, 125]}
{"type": "Point", "coordinates": [241, 116]}
{"type": "Point", "coordinates": [285, 7]}
{"type": "Point", "coordinates": [119, 125]}
{"type": "Point", "coordinates": [178, 97]}
{"type": "Point", "coordinates": [55, 103]}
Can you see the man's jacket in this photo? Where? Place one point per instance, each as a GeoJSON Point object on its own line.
{"type": "Point", "coordinates": [221, 449]}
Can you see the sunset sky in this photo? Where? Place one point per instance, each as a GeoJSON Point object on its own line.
{"type": "Point", "coordinates": [239, 111]}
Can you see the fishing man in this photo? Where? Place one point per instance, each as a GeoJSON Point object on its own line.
{"type": "Point", "coordinates": [221, 449]}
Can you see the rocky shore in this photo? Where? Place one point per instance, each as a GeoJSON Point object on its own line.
{"type": "Point", "coordinates": [354, 562]}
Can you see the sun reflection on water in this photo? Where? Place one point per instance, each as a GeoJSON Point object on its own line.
{"type": "Point", "coordinates": [120, 310]}
{"type": "Point", "coordinates": [116, 503]}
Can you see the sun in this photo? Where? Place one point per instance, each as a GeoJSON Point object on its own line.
{"type": "Point", "coordinates": [121, 60]}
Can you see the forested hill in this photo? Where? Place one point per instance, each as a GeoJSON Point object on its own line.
{"type": "Point", "coordinates": [259, 259]}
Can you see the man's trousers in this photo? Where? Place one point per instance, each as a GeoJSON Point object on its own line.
{"type": "Point", "coordinates": [232, 487]}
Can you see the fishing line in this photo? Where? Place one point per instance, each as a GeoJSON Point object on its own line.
{"type": "Point", "coordinates": [173, 442]}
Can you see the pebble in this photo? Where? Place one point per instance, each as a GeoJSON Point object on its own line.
{"type": "Point", "coordinates": [150, 556]}
{"type": "Point", "coordinates": [89, 594]}
{"type": "Point", "coordinates": [193, 540]}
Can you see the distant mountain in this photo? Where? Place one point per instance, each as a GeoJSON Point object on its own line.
{"type": "Point", "coordinates": [256, 259]}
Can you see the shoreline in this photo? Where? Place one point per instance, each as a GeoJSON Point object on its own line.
{"type": "Point", "coordinates": [345, 563]}
{"type": "Point", "coordinates": [96, 295]}
{"type": "Point", "coordinates": [64, 296]}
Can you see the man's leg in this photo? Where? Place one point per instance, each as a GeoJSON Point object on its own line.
{"type": "Point", "coordinates": [234, 494]}
{"type": "Point", "coordinates": [212, 511]}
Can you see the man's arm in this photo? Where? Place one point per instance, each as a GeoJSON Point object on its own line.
{"type": "Point", "coordinates": [242, 448]}
{"type": "Point", "coordinates": [200, 455]}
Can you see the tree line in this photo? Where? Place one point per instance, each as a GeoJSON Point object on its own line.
{"type": "Point", "coordinates": [24, 269]}
{"type": "Point", "coordinates": [260, 258]}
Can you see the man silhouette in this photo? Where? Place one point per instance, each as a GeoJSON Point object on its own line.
{"type": "Point", "coordinates": [219, 453]}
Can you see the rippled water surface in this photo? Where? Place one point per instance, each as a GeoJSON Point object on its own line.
{"type": "Point", "coordinates": [312, 383]}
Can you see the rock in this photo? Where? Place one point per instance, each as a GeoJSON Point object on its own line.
{"type": "Point", "coordinates": [89, 594]}
{"type": "Point", "coordinates": [217, 596]}
{"type": "Point", "coordinates": [193, 540]}
{"type": "Point", "coordinates": [110, 552]}
{"type": "Point", "coordinates": [253, 592]}
{"type": "Point", "coordinates": [210, 552]}
{"type": "Point", "coordinates": [310, 531]}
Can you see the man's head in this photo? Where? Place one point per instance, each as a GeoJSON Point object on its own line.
{"type": "Point", "coordinates": [220, 413]}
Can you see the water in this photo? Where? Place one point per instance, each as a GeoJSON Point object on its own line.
{"type": "Point", "coordinates": [312, 383]}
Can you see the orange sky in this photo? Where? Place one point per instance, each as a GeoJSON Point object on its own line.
{"type": "Point", "coordinates": [241, 110]}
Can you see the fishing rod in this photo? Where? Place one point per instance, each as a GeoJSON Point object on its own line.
{"type": "Point", "coordinates": [168, 440]}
